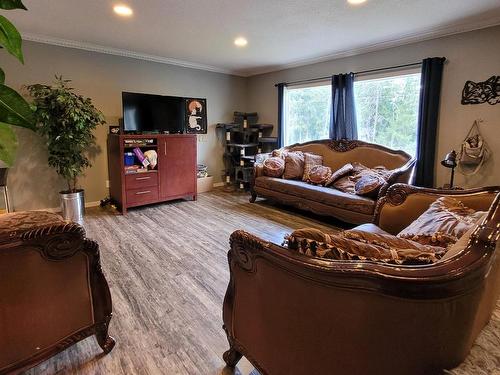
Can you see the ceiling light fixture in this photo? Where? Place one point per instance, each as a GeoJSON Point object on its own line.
{"type": "Point", "coordinates": [356, 2]}
{"type": "Point", "coordinates": [123, 10]}
{"type": "Point", "coordinates": [240, 42]}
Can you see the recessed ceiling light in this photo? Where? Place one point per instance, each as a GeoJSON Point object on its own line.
{"type": "Point", "coordinates": [356, 2]}
{"type": "Point", "coordinates": [240, 42]}
{"type": "Point", "coordinates": [123, 10]}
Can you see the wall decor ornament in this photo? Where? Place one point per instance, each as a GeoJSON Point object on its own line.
{"type": "Point", "coordinates": [195, 115]}
{"type": "Point", "coordinates": [482, 92]}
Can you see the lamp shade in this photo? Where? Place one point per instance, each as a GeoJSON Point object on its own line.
{"type": "Point", "coordinates": [450, 160]}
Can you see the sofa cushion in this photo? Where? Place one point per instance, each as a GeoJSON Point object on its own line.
{"type": "Point", "coordinates": [442, 224]}
{"type": "Point", "coordinates": [320, 194]}
{"type": "Point", "coordinates": [339, 247]}
{"type": "Point", "coordinates": [463, 241]}
{"type": "Point", "coordinates": [369, 185]}
{"type": "Point", "coordinates": [370, 228]}
{"type": "Point", "coordinates": [273, 167]}
{"type": "Point", "coordinates": [294, 165]}
{"type": "Point", "coordinates": [319, 175]}
{"type": "Point", "coordinates": [341, 172]}
{"type": "Point", "coordinates": [310, 160]}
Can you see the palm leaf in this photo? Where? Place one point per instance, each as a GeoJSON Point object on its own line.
{"type": "Point", "coordinates": [11, 39]}
{"type": "Point", "coordinates": [14, 110]}
{"type": "Point", "coordinates": [8, 144]}
{"type": "Point", "coordinates": [12, 4]}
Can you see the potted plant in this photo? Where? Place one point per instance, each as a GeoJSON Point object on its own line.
{"type": "Point", "coordinates": [67, 121]}
{"type": "Point", "coordinates": [14, 110]}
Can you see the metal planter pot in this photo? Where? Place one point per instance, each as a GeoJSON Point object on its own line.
{"type": "Point", "coordinates": [73, 205]}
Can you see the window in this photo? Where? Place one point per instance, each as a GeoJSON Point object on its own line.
{"type": "Point", "coordinates": [306, 113]}
{"type": "Point", "coordinates": [387, 111]}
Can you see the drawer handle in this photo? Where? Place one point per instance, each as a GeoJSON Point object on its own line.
{"type": "Point", "coordinates": [143, 192]}
{"type": "Point", "coordinates": [143, 178]}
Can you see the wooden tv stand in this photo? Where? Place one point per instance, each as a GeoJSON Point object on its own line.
{"type": "Point", "coordinates": [173, 178]}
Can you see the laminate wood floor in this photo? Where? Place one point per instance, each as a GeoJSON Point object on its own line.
{"type": "Point", "coordinates": [167, 270]}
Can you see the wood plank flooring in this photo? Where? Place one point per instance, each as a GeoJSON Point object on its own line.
{"type": "Point", "coordinates": [167, 270]}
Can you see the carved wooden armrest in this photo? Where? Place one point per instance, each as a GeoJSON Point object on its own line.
{"type": "Point", "coordinates": [397, 175]}
{"type": "Point", "coordinates": [403, 203]}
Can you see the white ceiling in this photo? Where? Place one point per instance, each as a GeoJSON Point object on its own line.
{"type": "Point", "coordinates": [280, 33]}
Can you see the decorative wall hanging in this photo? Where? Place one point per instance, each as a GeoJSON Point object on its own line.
{"type": "Point", "coordinates": [474, 151]}
{"type": "Point", "coordinates": [195, 115]}
{"type": "Point", "coordinates": [482, 92]}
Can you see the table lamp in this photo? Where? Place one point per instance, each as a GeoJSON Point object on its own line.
{"type": "Point", "coordinates": [450, 161]}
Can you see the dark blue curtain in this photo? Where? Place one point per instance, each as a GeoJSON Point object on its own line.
{"type": "Point", "coordinates": [343, 115]}
{"type": "Point", "coordinates": [281, 117]}
{"type": "Point", "coordinates": [428, 113]}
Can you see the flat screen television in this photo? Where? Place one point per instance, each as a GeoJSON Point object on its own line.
{"type": "Point", "coordinates": [146, 113]}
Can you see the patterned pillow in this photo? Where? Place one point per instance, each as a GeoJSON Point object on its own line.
{"type": "Point", "coordinates": [310, 160]}
{"type": "Point", "coordinates": [369, 185]}
{"type": "Point", "coordinates": [319, 175]}
{"type": "Point", "coordinates": [347, 184]}
{"type": "Point", "coordinates": [274, 167]}
{"type": "Point", "coordinates": [341, 172]}
{"type": "Point", "coordinates": [339, 247]}
{"type": "Point", "coordinates": [294, 165]}
{"type": "Point", "coordinates": [442, 224]}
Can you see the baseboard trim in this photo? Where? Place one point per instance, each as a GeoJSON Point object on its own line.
{"type": "Point", "coordinates": [58, 209]}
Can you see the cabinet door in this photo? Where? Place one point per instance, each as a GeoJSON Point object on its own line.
{"type": "Point", "coordinates": [178, 166]}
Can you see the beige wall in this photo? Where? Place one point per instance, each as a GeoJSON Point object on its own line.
{"type": "Point", "coordinates": [471, 56]}
{"type": "Point", "coordinates": [33, 185]}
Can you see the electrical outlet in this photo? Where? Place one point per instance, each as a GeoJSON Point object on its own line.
{"type": "Point", "coordinates": [107, 184]}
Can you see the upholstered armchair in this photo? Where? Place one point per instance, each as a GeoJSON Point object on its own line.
{"type": "Point", "coordinates": [52, 289]}
{"type": "Point", "coordinates": [292, 314]}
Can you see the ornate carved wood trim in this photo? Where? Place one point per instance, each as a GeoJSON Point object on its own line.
{"type": "Point", "coordinates": [56, 243]}
{"type": "Point", "coordinates": [397, 194]}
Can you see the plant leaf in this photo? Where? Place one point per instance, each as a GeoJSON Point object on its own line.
{"type": "Point", "coordinates": [11, 39]}
{"type": "Point", "coordinates": [12, 4]}
{"type": "Point", "coordinates": [2, 77]}
{"type": "Point", "coordinates": [14, 110]}
{"type": "Point", "coordinates": [8, 144]}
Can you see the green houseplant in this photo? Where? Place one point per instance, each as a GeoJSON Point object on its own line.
{"type": "Point", "coordinates": [14, 110]}
{"type": "Point", "coordinates": [67, 121]}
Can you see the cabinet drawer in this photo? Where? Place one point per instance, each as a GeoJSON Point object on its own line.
{"type": "Point", "coordinates": [142, 196]}
{"type": "Point", "coordinates": [140, 180]}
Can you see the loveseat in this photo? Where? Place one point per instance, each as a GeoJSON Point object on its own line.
{"type": "Point", "coordinates": [328, 201]}
{"type": "Point", "coordinates": [291, 314]}
{"type": "Point", "coordinates": [53, 292]}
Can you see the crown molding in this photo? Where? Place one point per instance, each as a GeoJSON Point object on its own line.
{"type": "Point", "coordinates": [435, 33]}
{"type": "Point", "coordinates": [122, 52]}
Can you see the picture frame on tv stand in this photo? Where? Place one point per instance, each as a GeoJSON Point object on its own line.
{"type": "Point", "coordinates": [195, 115]}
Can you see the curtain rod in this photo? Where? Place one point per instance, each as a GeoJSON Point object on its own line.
{"type": "Point", "coordinates": [355, 73]}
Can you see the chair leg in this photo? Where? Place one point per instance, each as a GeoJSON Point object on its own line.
{"type": "Point", "coordinates": [232, 357]}
{"type": "Point", "coordinates": [105, 341]}
{"type": "Point", "coordinates": [253, 197]}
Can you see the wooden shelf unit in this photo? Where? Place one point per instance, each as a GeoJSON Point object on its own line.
{"type": "Point", "coordinates": [173, 178]}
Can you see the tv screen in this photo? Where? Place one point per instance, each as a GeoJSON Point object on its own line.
{"type": "Point", "coordinates": [152, 113]}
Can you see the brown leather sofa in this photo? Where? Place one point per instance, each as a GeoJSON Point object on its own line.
{"type": "Point", "coordinates": [329, 201]}
{"type": "Point", "coordinates": [52, 289]}
{"type": "Point", "coordinates": [292, 314]}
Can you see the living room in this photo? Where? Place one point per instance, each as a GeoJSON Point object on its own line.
{"type": "Point", "coordinates": [165, 283]}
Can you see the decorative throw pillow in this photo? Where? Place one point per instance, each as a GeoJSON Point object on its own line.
{"type": "Point", "coordinates": [347, 184]}
{"type": "Point", "coordinates": [341, 172]}
{"type": "Point", "coordinates": [338, 247]}
{"type": "Point", "coordinates": [274, 167]}
{"type": "Point", "coordinates": [280, 153]}
{"type": "Point", "coordinates": [369, 185]}
{"type": "Point", "coordinates": [319, 175]}
{"type": "Point", "coordinates": [310, 160]}
{"type": "Point", "coordinates": [446, 220]}
{"type": "Point", "coordinates": [294, 165]}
